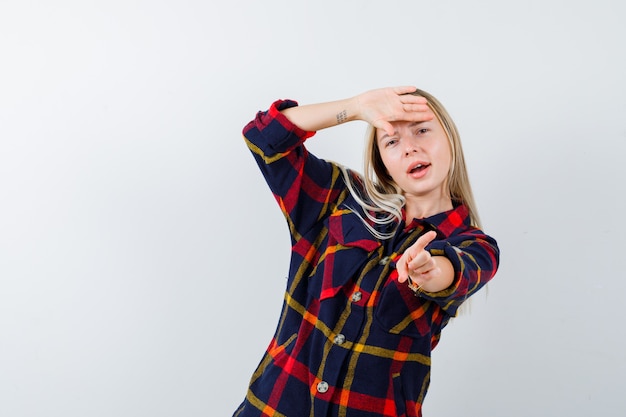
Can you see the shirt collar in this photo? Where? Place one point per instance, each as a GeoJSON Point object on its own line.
{"type": "Point", "coordinates": [448, 222]}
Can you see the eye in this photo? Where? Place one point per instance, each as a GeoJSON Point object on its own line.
{"type": "Point", "coordinates": [421, 131]}
{"type": "Point", "coordinates": [390, 142]}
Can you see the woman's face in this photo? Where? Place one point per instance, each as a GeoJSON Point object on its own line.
{"type": "Point", "coordinates": [417, 156]}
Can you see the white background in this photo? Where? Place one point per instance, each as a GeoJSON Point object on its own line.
{"type": "Point", "coordinates": [142, 257]}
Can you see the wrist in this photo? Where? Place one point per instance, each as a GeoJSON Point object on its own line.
{"type": "Point", "coordinates": [348, 110]}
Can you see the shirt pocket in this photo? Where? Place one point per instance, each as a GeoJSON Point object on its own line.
{"type": "Point", "coordinates": [399, 311]}
{"type": "Point", "coordinates": [345, 251]}
{"type": "Point", "coordinates": [398, 394]}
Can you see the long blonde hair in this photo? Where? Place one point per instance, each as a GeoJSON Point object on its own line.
{"type": "Point", "coordinates": [384, 196]}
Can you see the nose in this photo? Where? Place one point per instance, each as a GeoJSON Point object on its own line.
{"type": "Point", "coordinates": [410, 148]}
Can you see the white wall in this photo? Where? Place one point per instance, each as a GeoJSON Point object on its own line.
{"type": "Point", "coordinates": [142, 258]}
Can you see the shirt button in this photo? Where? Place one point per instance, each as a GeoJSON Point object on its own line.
{"type": "Point", "coordinates": [356, 297]}
{"type": "Point", "coordinates": [339, 339]}
{"type": "Point", "coordinates": [322, 387]}
{"type": "Point", "coordinates": [384, 261]}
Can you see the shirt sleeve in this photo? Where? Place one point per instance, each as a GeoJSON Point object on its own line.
{"type": "Point", "coordinates": [475, 257]}
{"type": "Point", "coordinates": [271, 134]}
{"type": "Point", "coordinates": [304, 186]}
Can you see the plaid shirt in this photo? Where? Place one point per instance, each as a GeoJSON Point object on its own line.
{"type": "Point", "coordinates": [351, 341]}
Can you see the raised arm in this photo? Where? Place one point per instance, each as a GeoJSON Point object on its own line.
{"type": "Point", "coordinates": [377, 107]}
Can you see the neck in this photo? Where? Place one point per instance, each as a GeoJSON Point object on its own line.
{"type": "Point", "coordinates": [420, 208]}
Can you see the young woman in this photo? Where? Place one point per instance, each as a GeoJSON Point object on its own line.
{"type": "Point", "coordinates": [380, 262]}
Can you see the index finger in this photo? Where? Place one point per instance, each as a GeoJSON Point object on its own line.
{"type": "Point", "coordinates": [402, 266]}
{"type": "Point", "coordinates": [423, 241]}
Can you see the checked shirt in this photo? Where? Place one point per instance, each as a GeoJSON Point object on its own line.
{"type": "Point", "coordinates": [351, 341]}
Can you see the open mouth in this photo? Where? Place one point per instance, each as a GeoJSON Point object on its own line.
{"type": "Point", "coordinates": [418, 168]}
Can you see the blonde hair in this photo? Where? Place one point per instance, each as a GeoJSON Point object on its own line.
{"type": "Point", "coordinates": [384, 196]}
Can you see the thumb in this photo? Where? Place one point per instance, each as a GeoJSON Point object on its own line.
{"type": "Point", "coordinates": [385, 126]}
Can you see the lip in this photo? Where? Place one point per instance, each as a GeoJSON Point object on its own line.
{"type": "Point", "coordinates": [419, 173]}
